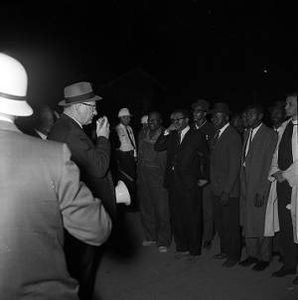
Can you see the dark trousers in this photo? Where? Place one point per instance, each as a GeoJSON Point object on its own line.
{"type": "Point", "coordinates": [286, 239]}
{"type": "Point", "coordinates": [227, 225]}
{"type": "Point", "coordinates": [127, 173]}
{"type": "Point", "coordinates": [208, 224]}
{"type": "Point", "coordinates": [82, 263]}
{"type": "Point", "coordinates": [186, 217]}
{"type": "Point", "coordinates": [154, 206]}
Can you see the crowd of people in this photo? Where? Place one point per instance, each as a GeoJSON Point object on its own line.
{"type": "Point", "coordinates": [211, 171]}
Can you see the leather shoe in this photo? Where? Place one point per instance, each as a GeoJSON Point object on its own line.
{"type": "Point", "coordinates": [207, 245]}
{"type": "Point", "coordinates": [192, 259]}
{"type": "Point", "coordinates": [248, 261]}
{"type": "Point", "coordinates": [283, 272]}
{"type": "Point", "coordinates": [220, 256]}
{"type": "Point", "coordinates": [260, 266]}
{"type": "Point", "coordinates": [180, 254]}
{"type": "Point", "coordinates": [230, 263]}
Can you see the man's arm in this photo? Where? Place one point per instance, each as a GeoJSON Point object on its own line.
{"type": "Point", "coordinates": [84, 216]}
{"type": "Point", "coordinates": [92, 159]}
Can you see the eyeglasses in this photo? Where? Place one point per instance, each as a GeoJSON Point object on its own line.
{"type": "Point", "coordinates": [178, 119]}
{"type": "Point", "coordinates": [91, 105]}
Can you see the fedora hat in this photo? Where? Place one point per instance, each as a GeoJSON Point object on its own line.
{"type": "Point", "coordinates": [221, 107]}
{"type": "Point", "coordinates": [124, 112]}
{"type": "Point", "coordinates": [13, 87]}
{"type": "Point", "coordinates": [77, 93]}
{"type": "Point", "coordinates": [201, 104]}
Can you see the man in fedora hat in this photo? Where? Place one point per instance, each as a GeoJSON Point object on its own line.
{"type": "Point", "coordinates": [41, 194]}
{"type": "Point", "coordinates": [93, 161]}
{"type": "Point", "coordinates": [225, 184]}
{"type": "Point", "coordinates": [200, 109]}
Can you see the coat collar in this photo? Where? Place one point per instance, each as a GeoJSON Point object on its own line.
{"type": "Point", "coordinates": [4, 125]}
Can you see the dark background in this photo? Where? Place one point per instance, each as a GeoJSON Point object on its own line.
{"type": "Point", "coordinates": [162, 55]}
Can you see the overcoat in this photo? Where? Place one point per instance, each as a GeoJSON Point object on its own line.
{"type": "Point", "coordinates": [254, 179]}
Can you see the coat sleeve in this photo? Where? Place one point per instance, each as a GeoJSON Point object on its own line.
{"type": "Point", "coordinates": [92, 159]}
{"type": "Point", "coordinates": [162, 142]}
{"type": "Point", "coordinates": [234, 161]}
{"type": "Point", "coordinates": [84, 216]}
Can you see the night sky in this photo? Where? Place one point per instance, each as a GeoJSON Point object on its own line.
{"type": "Point", "coordinates": [155, 54]}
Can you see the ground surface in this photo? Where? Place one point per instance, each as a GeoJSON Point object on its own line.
{"type": "Point", "coordinates": [130, 271]}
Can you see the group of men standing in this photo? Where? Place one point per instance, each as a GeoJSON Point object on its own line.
{"type": "Point", "coordinates": [191, 179]}
{"type": "Point", "coordinates": [219, 181]}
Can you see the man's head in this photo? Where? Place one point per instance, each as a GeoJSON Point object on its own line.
{"type": "Point", "coordinates": [277, 113]}
{"type": "Point", "coordinates": [291, 106]}
{"type": "Point", "coordinates": [244, 119]}
{"type": "Point", "coordinates": [200, 110]}
{"type": "Point", "coordinates": [236, 122]}
{"type": "Point", "coordinates": [220, 115]}
{"type": "Point", "coordinates": [144, 121]}
{"type": "Point", "coordinates": [154, 121]}
{"type": "Point", "coordinates": [13, 88]}
{"type": "Point", "coordinates": [180, 118]}
{"type": "Point", "coordinates": [44, 119]}
{"type": "Point", "coordinates": [80, 102]}
{"type": "Point", "coordinates": [254, 115]}
{"type": "Point", "coordinates": [124, 116]}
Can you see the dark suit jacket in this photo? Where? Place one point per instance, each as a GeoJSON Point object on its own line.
{"type": "Point", "coordinates": [225, 163]}
{"type": "Point", "coordinates": [92, 159]}
{"type": "Point", "coordinates": [185, 156]}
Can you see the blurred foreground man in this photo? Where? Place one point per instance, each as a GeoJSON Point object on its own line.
{"type": "Point", "coordinates": [40, 195]}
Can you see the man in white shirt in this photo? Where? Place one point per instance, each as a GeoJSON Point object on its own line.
{"type": "Point", "coordinates": [284, 169]}
{"type": "Point", "coordinates": [127, 154]}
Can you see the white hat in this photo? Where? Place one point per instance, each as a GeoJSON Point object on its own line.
{"type": "Point", "coordinates": [13, 87]}
{"type": "Point", "coordinates": [77, 93]}
{"type": "Point", "coordinates": [124, 112]}
{"type": "Point", "coordinates": [144, 119]}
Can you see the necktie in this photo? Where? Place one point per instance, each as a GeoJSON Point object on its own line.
{"type": "Point", "coordinates": [285, 155]}
{"type": "Point", "coordinates": [131, 141]}
{"type": "Point", "coordinates": [248, 142]}
{"type": "Point", "coordinates": [214, 139]}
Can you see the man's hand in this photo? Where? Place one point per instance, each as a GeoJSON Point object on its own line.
{"type": "Point", "coordinates": [103, 127]}
{"type": "Point", "coordinates": [278, 176]}
{"type": "Point", "coordinates": [259, 200]}
{"type": "Point", "coordinates": [202, 182]}
{"type": "Point", "coordinates": [224, 199]}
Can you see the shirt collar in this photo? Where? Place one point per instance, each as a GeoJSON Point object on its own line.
{"type": "Point", "coordinates": [183, 132]}
{"type": "Point", "coordinates": [222, 129]}
{"type": "Point", "coordinates": [2, 118]}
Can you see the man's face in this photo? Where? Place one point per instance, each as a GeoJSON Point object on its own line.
{"type": "Point", "coordinates": [219, 119]}
{"type": "Point", "coordinates": [87, 112]}
{"type": "Point", "coordinates": [244, 119]}
{"type": "Point", "coordinates": [179, 120]}
{"type": "Point", "coordinates": [277, 115]}
{"type": "Point", "coordinates": [154, 121]}
{"type": "Point", "coordinates": [254, 117]}
{"type": "Point", "coordinates": [125, 120]}
{"type": "Point", "coordinates": [198, 114]}
{"type": "Point", "coordinates": [291, 106]}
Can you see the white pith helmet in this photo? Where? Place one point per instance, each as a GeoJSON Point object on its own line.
{"type": "Point", "coordinates": [13, 87]}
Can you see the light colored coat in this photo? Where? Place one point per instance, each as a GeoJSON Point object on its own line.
{"type": "Point", "coordinates": [41, 194]}
{"type": "Point", "coordinates": [254, 180]}
{"type": "Point", "coordinates": [291, 175]}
